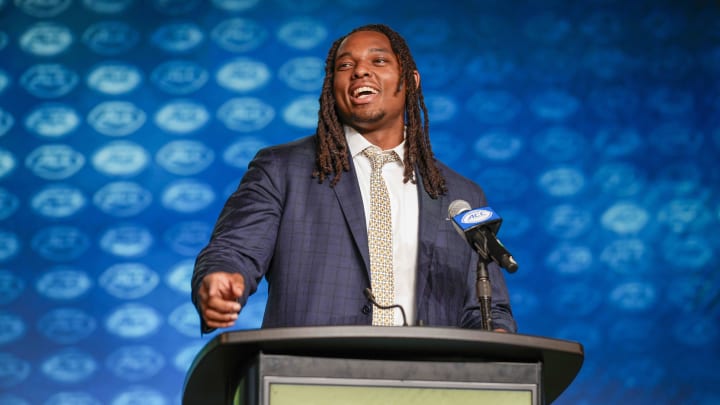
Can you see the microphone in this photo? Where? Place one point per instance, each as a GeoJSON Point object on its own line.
{"type": "Point", "coordinates": [370, 296]}
{"type": "Point", "coordinates": [479, 227]}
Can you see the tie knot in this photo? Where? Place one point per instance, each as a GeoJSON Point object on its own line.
{"type": "Point", "coordinates": [378, 158]}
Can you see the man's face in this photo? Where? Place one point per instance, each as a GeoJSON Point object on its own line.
{"type": "Point", "coordinates": [367, 74]}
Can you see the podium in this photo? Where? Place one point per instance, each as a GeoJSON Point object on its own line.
{"type": "Point", "coordinates": [372, 365]}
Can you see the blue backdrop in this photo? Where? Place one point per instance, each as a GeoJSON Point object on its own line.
{"type": "Point", "coordinates": [594, 127]}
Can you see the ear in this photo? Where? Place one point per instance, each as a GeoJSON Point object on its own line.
{"type": "Point", "coordinates": [416, 75]}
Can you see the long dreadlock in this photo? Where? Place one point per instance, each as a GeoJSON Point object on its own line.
{"type": "Point", "coordinates": [332, 152]}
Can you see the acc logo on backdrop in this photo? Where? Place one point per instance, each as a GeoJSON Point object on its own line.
{"type": "Point", "coordinates": [177, 37]}
{"type": "Point", "coordinates": [235, 5]}
{"type": "Point", "coordinates": [114, 78]}
{"type": "Point", "coordinates": [567, 221]}
{"type": "Point", "coordinates": [139, 395]}
{"type": "Point", "coordinates": [49, 80]}
{"type": "Point", "coordinates": [72, 398]}
{"type": "Point", "coordinates": [246, 114]}
{"type": "Point", "coordinates": [13, 370]}
{"type": "Point", "coordinates": [187, 238]}
{"type": "Point", "coordinates": [7, 162]}
{"type": "Point", "coordinates": [120, 158]}
{"type": "Point", "coordinates": [626, 256]}
{"type": "Point", "coordinates": [302, 33]}
{"type": "Point", "coordinates": [185, 157]}
{"type": "Point", "coordinates": [43, 8]}
{"type": "Point", "coordinates": [126, 240]}
{"type": "Point", "coordinates": [110, 37]}
{"type": "Point", "coordinates": [498, 145]}
{"type": "Point", "coordinates": [12, 327]}
{"type": "Point", "coordinates": [11, 287]}
{"type": "Point", "coordinates": [175, 7]}
{"type": "Point", "coordinates": [69, 366]}
{"type": "Point", "coordinates": [52, 120]}
{"type": "Point", "coordinates": [9, 203]}
{"type": "Point", "coordinates": [554, 105]}
{"type": "Point", "coordinates": [179, 277]}
{"type": "Point", "coordinates": [634, 296]}
{"type": "Point", "coordinates": [116, 118]}
{"type": "Point", "coordinates": [619, 179]}
{"type": "Point", "coordinates": [184, 358]}
{"type": "Point", "coordinates": [128, 280]}
{"type": "Point", "coordinates": [568, 258]}
{"type": "Point", "coordinates": [179, 77]}
{"type": "Point", "coordinates": [302, 112]}
{"type": "Point", "coordinates": [46, 39]}
{"type": "Point", "coordinates": [58, 201]}
{"type": "Point", "coordinates": [562, 181]}
{"type": "Point", "coordinates": [181, 116]}
{"type": "Point", "coordinates": [243, 74]}
{"type": "Point", "coordinates": [6, 122]}
{"type": "Point", "coordinates": [441, 107]}
{"type": "Point", "coordinates": [122, 199]}
{"type": "Point", "coordinates": [66, 325]}
{"type": "Point", "coordinates": [303, 74]}
{"type": "Point", "coordinates": [240, 153]}
{"type": "Point", "coordinates": [184, 319]}
{"type": "Point", "coordinates": [9, 245]}
{"type": "Point", "coordinates": [616, 141]}
{"type": "Point", "coordinates": [63, 283]}
{"type": "Point", "coordinates": [54, 162]}
{"type": "Point", "coordinates": [559, 143]}
{"type": "Point", "coordinates": [133, 321]}
{"type": "Point", "coordinates": [187, 196]}
{"type": "Point", "coordinates": [60, 243]}
{"type": "Point", "coordinates": [108, 6]}
{"type": "Point", "coordinates": [625, 218]}
{"type": "Point", "coordinates": [134, 363]}
{"type": "Point", "coordinates": [239, 35]}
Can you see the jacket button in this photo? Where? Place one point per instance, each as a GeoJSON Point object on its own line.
{"type": "Point", "coordinates": [366, 309]}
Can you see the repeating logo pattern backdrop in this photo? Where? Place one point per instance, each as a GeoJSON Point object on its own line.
{"type": "Point", "coordinates": [593, 126]}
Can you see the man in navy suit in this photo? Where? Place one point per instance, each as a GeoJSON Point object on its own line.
{"type": "Point", "coordinates": [300, 215]}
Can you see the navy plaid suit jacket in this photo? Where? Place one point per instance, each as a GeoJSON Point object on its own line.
{"type": "Point", "coordinates": [310, 241]}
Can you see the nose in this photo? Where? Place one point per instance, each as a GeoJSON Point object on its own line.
{"type": "Point", "coordinates": [361, 70]}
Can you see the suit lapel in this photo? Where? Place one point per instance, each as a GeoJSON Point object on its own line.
{"type": "Point", "coordinates": [348, 194]}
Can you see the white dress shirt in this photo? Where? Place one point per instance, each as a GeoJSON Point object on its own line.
{"type": "Point", "coordinates": [405, 218]}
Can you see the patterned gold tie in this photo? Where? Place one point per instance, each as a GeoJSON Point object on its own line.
{"type": "Point", "coordinates": [380, 237]}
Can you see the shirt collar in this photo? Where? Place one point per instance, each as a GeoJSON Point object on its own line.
{"type": "Point", "coordinates": [357, 143]}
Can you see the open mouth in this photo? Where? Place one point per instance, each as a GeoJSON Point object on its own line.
{"type": "Point", "coordinates": [364, 92]}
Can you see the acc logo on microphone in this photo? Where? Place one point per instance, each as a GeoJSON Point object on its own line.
{"type": "Point", "coordinates": [242, 75]}
{"type": "Point", "coordinates": [13, 370]}
{"type": "Point", "coordinates": [12, 286]}
{"type": "Point", "coordinates": [110, 37]}
{"type": "Point", "coordinates": [126, 240]}
{"type": "Point", "coordinates": [7, 162]}
{"type": "Point", "coordinates": [114, 78]}
{"type": "Point", "coordinates": [303, 74]}
{"type": "Point", "coordinates": [122, 199]}
{"type": "Point", "coordinates": [69, 366]}
{"type": "Point", "coordinates": [302, 112]}
{"type": "Point", "coordinates": [187, 238]}
{"type": "Point", "coordinates": [185, 157]}
{"type": "Point", "coordinates": [46, 39]}
{"type": "Point", "coordinates": [108, 6]}
{"type": "Point", "coordinates": [477, 216]}
{"type": "Point", "coordinates": [129, 280]}
{"type": "Point", "coordinates": [179, 77]}
{"type": "Point", "coordinates": [302, 33]}
{"type": "Point", "coordinates": [66, 325]}
{"type": "Point", "coordinates": [178, 37]}
{"type": "Point", "coordinates": [181, 116]}
{"type": "Point", "coordinates": [6, 122]}
{"type": "Point", "coordinates": [12, 327]}
{"type": "Point", "coordinates": [52, 120]}
{"type": "Point", "coordinates": [187, 196]}
{"type": "Point", "coordinates": [246, 114]}
{"type": "Point", "coordinates": [49, 80]}
{"type": "Point", "coordinates": [60, 243]}
{"type": "Point", "coordinates": [9, 203]}
{"type": "Point", "coordinates": [54, 162]}
{"type": "Point", "coordinates": [58, 201]}
{"type": "Point", "coordinates": [133, 321]}
{"type": "Point", "coordinates": [63, 283]}
{"type": "Point", "coordinates": [121, 158]}
{"type": "Point", "coordinates": [43, 8]}
{"type": "Point", "coordinates": [238, 35]}
{"type": "Point", "coordinates": [134, 363]}
{"type": "Point", "coordinates": [116, 118]}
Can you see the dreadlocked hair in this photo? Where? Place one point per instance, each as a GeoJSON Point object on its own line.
{"type": "Point", "coordinates": [332, 157]}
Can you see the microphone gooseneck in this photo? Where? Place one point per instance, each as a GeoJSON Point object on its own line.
{"type": "Point", "coordinates": [371, 297]}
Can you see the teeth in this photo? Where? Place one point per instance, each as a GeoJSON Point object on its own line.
{"type": "Point", "coordinates": [365, 89]}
